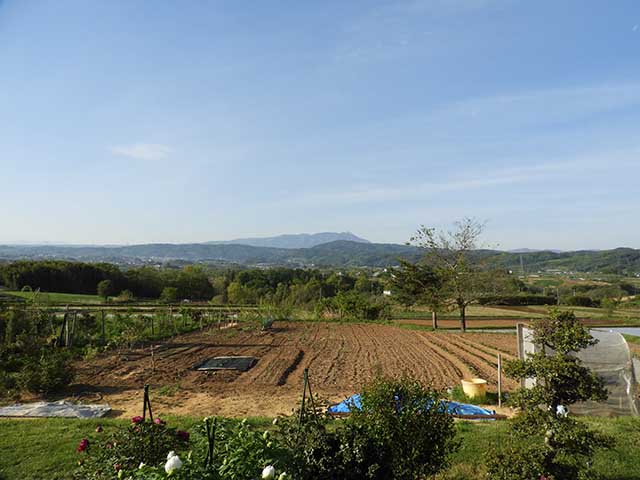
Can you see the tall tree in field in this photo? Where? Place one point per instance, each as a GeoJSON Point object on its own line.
{"type": "Point", "coordinates": [462, 279]}
{"type": "Point", "coordinates": [105, 289]}
{"type": "Point", "coordinates": [417, 283]}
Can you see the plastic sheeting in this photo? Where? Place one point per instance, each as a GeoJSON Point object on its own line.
{"type": "Point", "coordinates": [611, 359]}
{"type": "Point", "coordinates": [55, 409]}
{"type": "Point", "coordinates": [227, 363]}
{"type": "Point", "coordinates": [453, 408]}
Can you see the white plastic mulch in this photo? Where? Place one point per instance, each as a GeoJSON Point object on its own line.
{"type": "Point", "coordinates": [61, 408]}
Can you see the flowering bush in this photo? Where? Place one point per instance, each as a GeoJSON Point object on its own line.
{"type": "Point", "coordinates": [399, 433]}
{"type": "Point", "coordinates": [126, 448]}
{"type": "Point", "coordinates": [245, 453]}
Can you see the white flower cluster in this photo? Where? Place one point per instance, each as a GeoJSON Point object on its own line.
{"type": "Point", "coordinates": [269, 473]}
{"type": "Point", "coordinates": [173, 463]}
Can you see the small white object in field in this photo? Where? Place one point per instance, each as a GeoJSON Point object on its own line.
{"type": "Point", "coordinates": [173, 463]}
{"type": "Point", "coordinates": [269, 472]}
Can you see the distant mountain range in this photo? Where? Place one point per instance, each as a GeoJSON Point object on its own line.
{"type": "Point", "coordinates": [533, 250]}
{"type": "Point", "coordinates": [299, 240]}
{"type": "Point", "coordinates": [338, 253]}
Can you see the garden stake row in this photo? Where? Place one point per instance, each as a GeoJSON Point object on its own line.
{"type": "Point", "coordinates": [211, 438]}
{"type": "Point", "coordinates": [306, 386]}
{"type": "Point", "coordinates": [146, 405]}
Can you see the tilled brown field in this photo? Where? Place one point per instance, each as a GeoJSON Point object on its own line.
{"type": "Point", "coordinates": [340, 358]}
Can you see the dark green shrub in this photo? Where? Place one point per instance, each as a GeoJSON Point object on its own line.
{"type": "Point", "coordinates": [352, 305]}
{"type": "Point", "coordinates": [518, 461]}
{"type": "Point", "coordinates": [401, 432]}
{"type": "Point", "coordinates": [242, 452]}
{"type": "Point", "coordinates": [518, 300]}
{"type": "Point", "coordinates": [49, 372]}
{"type": "Point", "coordinates": [581, 301]}
{"type": "Point", "coordinates": [314, 447]}
{"type": "Point", "coordinates": [557, 446]}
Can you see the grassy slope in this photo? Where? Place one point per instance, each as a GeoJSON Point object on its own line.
{"type": "Point", "coordinates": [45, 448]}
{"type": "Point", "coordinates": [58, 297]}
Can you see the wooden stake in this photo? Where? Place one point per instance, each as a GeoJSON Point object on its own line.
{"type": "Point", "coordinates": [104, 338]}
{"type": "Point", "coordinates": [499, 380]}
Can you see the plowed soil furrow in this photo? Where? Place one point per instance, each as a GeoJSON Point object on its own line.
{"type": "Point", "coordinates": [504, 343]}
{"type": "Point", "coordinates": [456, 369]}
{"type": "Point", "coordinates": [474, 362]}
{"type": "Point", "coordinates": [484, 348]}
{"type": "Point", "coordinates": [475, 350]}
{"type": "Point", "coordinates": [340, 357]}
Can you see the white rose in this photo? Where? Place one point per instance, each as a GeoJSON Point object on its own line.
{"type": "Point", "coordinates": [269, 473]}
{"type": "Point", "coordinates": [174, 463]}
{"type": "Point", "coordinates": [171, 454]}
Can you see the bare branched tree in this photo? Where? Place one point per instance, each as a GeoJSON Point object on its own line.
{"type": "Point", "coordinates": [451, 253]}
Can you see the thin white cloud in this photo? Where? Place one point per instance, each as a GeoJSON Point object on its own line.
{"type": "Point", "coordinates": [142, 151]}
{"type": "Point", "coordinates": [393, 30]}
{"type": "Point", "coordinates": [538, 107]}
{"type": "Point", "coordinates": [565, 168]}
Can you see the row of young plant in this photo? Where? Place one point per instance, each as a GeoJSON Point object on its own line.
{"type": "Point", "coordinates": [401, 430]}
{"type": "Point", "coordinates": [38, 344]}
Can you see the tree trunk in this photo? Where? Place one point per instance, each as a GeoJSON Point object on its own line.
{"type": "Point", "coordinates": [434, 319]}
{"type": "Point", "coordinates": [463, 318]}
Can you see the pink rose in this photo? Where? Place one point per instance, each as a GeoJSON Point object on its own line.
{"type": "Point", "coordinates": [82, 446]}
{"type": "Point", "coordinates": [137, 419]}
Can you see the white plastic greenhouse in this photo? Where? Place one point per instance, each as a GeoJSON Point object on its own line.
{"type": "Point", "coordinates": [611, 359]}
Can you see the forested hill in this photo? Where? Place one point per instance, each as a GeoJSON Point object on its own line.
{"type": "Point", "coordinates": [340, 253]}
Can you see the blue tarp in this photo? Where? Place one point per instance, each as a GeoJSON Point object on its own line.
{"type": "Point", "coordinates": [453, 408]}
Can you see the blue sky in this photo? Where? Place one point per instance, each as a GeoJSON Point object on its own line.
{"type": "Point", "coordinates": [152, 121]}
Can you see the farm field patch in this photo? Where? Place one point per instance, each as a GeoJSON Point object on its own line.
{"type": "Point", "coordinates": [341, 357]}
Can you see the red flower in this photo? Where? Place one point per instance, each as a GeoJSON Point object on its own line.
{"type": "Point", "coordinates": [117, 467]}
{"type": "Point", "coordinates": [182, 435]}
{"type": "Point", "coordinates": [82, 446]}
{"type": "Point", "coordinates": [158, 421]}
{"type": "Point", "coordinates": [137, 419]}
{"type": "Point", "coordinates": [99, 429]}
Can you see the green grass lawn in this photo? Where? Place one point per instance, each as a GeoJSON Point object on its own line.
{"type": "Point", "coordinates": [45, 448]}
{"type": "Point", "coordinates": [52, 297]}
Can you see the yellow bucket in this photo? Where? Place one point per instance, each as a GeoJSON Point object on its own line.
{"type": "Point", "coordinates": [476, 387]}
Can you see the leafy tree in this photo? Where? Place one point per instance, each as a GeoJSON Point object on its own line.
{"type": "Point", "coordinates": [417, 283]}
{"type": "Point", "coordinates": [462, 279]}
{"type": "Point", "coordinates": [169, 295]}
{"type": "Point", "coordinates": [552, 445]}
{"type": "Point", "coordinates": [105, 289]}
